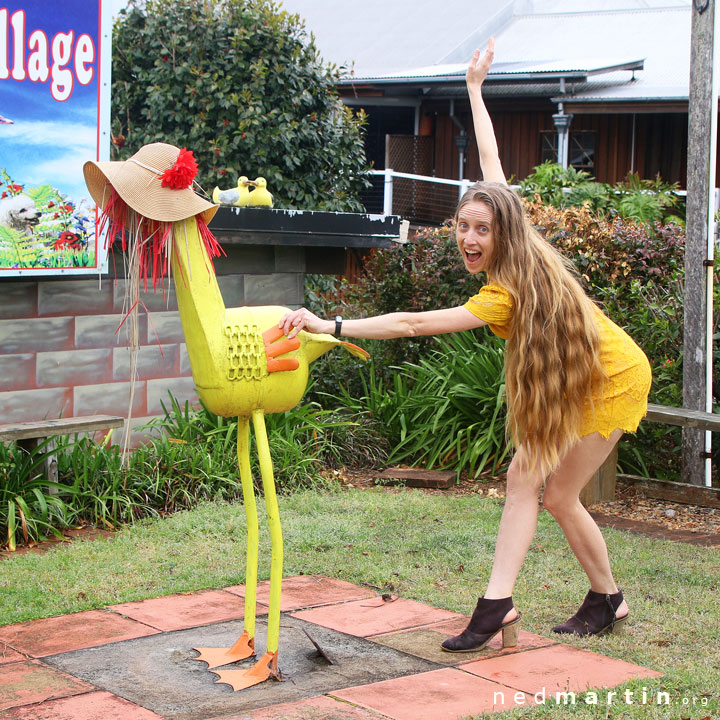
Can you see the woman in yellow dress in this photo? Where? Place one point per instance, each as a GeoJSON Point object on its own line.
{"type": "Point", "coordinates": [575, 382]}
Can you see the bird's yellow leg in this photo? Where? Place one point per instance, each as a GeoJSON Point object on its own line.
{"type": "Point", "coordinates": [266, 666]}
{"type": "Point", "coordinates": [243, 451]}
{"type": "Point", "coordinates": [244, 647]}
{"type": "Point", "coordinates": [276, 540]}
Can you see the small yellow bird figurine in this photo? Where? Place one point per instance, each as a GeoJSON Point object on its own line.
{"type": "Point", "coordinates": [237, 196]}
{"type": "Point", "coordinates": [260, 196]}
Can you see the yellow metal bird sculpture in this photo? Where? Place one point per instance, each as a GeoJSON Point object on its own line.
{"type": "Point", "coordinates": [241, 364]}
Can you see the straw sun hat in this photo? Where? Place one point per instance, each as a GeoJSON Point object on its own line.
{"type": "Point", "coordinates": [156, 182]}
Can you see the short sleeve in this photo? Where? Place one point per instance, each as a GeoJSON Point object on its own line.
{"type": "Point", "coordinates": [494, 305]}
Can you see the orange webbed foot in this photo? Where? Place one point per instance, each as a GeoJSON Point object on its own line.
{"type": "Point", "coordinates": [274, 346]}
{"type": "Point", "coordinates": [243, 648]}
{"type": "Point", "coordinates": [264, 669]}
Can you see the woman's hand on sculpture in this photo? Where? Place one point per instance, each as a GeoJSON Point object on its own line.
{"type": "Point", "coordinates": [293, 322]}
{"type": "Point", "coordinates": [479, 66]}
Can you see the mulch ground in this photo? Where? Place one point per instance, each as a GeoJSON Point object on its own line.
{"type": "Point", "coordinates": [631, 510]}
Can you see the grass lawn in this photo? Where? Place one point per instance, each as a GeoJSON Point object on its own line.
{"type": "Point", "coordinates": [430, 548]}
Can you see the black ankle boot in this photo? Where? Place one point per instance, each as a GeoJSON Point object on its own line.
{"type": "Point", "coordinates": [486, 622]}
{"type": "Point", "coordinates": [596, 616]}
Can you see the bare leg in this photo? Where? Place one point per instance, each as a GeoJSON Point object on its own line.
{"type": "Point", "coordinates": [561, 499]}
{"type": "Point", "coordinates": [494, 612]}
{"type": "Point", "coordinates": [517, 528]}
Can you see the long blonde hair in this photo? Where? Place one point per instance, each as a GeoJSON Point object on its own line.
{"type": "Point", "coordinates": [552, 355]}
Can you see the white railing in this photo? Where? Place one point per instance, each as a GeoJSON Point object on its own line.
{"type": "Point", "coordinates": [389, 174]}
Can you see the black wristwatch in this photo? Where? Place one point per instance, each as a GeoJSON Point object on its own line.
{"type": "Point", "coordinates": [338, 325]}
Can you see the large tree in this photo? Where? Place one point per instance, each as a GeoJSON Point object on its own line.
{"type": "Point", "coordinates": [241, 84]}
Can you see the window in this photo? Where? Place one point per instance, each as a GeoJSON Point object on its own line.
{"type": "Point", "coordinates": [548, 146]}
{"type": "Point", "coordinates": [582, 151]}
{"type": "Point", "coordinates": [581, 155]}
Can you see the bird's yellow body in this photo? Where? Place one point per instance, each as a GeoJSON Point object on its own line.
{"type": "Point", "coordinates": [227, 350]}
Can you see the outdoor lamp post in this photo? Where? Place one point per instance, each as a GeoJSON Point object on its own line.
{"type": "Point", "coordinates": [562, 122]}
{"type": "Point", "coordinates": [462, 140]}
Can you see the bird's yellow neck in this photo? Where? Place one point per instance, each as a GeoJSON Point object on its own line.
{"type": "Point", "coordinates": [202, 310]}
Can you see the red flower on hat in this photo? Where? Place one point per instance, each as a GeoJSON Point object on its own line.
{"type": "Point", "coordinates": [181, 175]}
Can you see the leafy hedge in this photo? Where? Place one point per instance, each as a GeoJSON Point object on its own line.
{"type": "Point", "coordinates": [241, 84]}
{"type": "Point", "coordinates": [192, 458]}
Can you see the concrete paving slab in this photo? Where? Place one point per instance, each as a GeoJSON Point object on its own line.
{"type": "Point", "coordinates": [304, 591]}
{"type": "Point", "coordinates": [558, 669]}
{"type": "Point", "coordinates": [375, 616]}
{"type": "Point", "coordinates": [186, 610]}
{"type": "Point", "coordinates": [29, 682]}
{"type": "Point", "coordinates": [49, 636]}
{"type": "Point", "coordinates": [8, 655]}
{"type": "Point", "coordinates": [89, 706]}
{"type": "Point", "coordinates": [425, 643]}
{"type": "Point", "coordinates": [318, 708]}
{"type": "Point", "coordinates": [444, 694]}
{"type": "Point", "coordinates": [159, 673]}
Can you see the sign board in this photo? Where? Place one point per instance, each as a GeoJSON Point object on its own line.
{"type": "Point", "coordinates": [55, 61]}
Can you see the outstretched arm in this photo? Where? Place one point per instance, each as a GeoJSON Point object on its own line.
{"type": "Point", "coordinates": [484, 134]}
{"type": "Point", "coordinates": [384, 327]}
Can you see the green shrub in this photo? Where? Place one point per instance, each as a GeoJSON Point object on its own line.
{"type": "Point", "coordinates": [191, 457]}
{"type": "Point", "coordinates": [445, 411]}
{"type": "Point", "coordinates": [240, 83]}
{"type": "Point", "coordinates": [427, 273]}
{"type": "Point", "coordinates": [29, 505]}
{"type": "Point", "coordinates": [643, 201]}
{"type": "Point", "coordinates": [633, 269]}
{"type": "Point", "coordinates": [194, 456]}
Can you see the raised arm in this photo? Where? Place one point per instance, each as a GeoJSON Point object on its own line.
{"type": "Point", "coordinates": [385, 327]}
{"type": "Point", "coordinates": [484, 134]}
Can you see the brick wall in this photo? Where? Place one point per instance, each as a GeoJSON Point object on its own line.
{"type": "Point", "coordinates": [61, 353]}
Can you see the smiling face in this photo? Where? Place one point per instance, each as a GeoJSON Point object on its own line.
{"type": "Point", "coordinates": [474, 233]}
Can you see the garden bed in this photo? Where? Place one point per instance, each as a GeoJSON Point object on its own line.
{"type": "Point", "coordinates": [644, 513]}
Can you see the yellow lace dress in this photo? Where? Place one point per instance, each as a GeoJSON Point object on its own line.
{"type": "Point", "coordinates": [620, 400]}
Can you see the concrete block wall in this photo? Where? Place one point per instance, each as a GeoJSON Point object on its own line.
{"type": "Point", "coordinates": [61, 353]}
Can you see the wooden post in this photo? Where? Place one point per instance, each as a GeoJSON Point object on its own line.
{"type": "Point", "coordinates": [702, 125]}
{"type": "Point", "coordinates": [602, 485]}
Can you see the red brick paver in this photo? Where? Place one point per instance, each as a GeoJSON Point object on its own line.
{"type": "Point", "coordinates": [306, 591]}
{"type": "Point", "coordinates": [317, 708]}
{"type": "Point", "coordinates": [29, 682]}
{"type": "Point", "coordinates": [178, 612]}
{"type": "Point", "coordinates": [90, 706]}
{"type": "Point", "coordinates": [557, 669]}
{"type": "Point", "coordinates": [374, 616]}
{"type": "Point", "coordinates": [444, 694]}
{"type": "Point", "coordinates": [39, 638]}
{"type": "Point", "coordinates": [425, 643]}
{"type": "Point", "coordinates": [8, 655]}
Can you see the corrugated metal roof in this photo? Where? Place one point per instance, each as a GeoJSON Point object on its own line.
{"type": "Point", "coordinates": [408, 41]}
{"type": "Point", "coordinates": [509, 71]}
{"type": "Point", "coordinates": [661, 36]}
{"type": "Point", "coordinates": [377, 35]}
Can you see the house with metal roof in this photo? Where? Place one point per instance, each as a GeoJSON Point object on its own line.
{"type": "Point", "coordinates": [601, 85]}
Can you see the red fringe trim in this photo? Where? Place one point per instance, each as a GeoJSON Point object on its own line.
{"type": "Point", "coordinates": [152, 237]}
